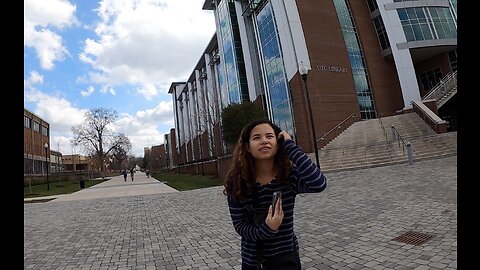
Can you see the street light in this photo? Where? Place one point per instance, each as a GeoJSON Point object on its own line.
{"type": "Point", "coordinates": [304, 72]}
{"type": "Point", "coordinates": [46, 162]}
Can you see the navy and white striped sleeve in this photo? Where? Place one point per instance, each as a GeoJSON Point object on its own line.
{"type": "Point", "coordinates": [241, 223]}
{"type": "Point", "coordinates": [306, 177]}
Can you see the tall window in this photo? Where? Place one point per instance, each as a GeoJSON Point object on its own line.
{"type": "Point", "coordinates": [381, 33]}
{"type": "Point", "coordinates": [372, 5]}
{"type": "Point", "coordinates": [27, 122]}
{"type": "Point", "coordinates": [355, 55]}
{"type": "Point", "coordinates": [273, 70]}
{"type": "Point", "coordinates": [236, 78]}
{"type": "Point", "coordinates": [44, 131]}
{"type": "Point", "coordinates": [429, 79]}
{"type": "Point", "coordinates": [452, 57]}
{"type": "Point", "coordinates": [226, 36]}
{"type": "Point", "coordinates": [36, 126]}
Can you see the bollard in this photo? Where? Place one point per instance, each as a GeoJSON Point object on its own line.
{"type": "Point", "coordinates": [409, 153]}
{"type": "Point", "coordinates": [394, 134]}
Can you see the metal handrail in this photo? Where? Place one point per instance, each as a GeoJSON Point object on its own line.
{"type": "Point", "coordinates": [400, 137]}
{"type": "Point", "coordinates": [404, 145]}
{"type": "Point", "coordinates": [446, 84]}
{"type": "Point", "coordinates": [353, 115]}
{"type": "Point", "coordinates": [383, 127]}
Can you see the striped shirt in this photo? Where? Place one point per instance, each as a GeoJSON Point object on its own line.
{"type": "Point", "coordinates": [306, 177]}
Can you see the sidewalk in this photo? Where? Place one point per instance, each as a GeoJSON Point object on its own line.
{"type": "Point", "coordinates": [115, 187]}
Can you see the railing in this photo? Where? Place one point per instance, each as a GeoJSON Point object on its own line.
{"type": "Point", "coordinates": [436, 123]}
{"type": "Point", "coordinates": [339, 128]}
{"type": "Point", "coordinates": [443, 87]}
{"type": "Point", "coordinates": [383, 126]}
{"type": "Point", "coordinates": [408, 146]}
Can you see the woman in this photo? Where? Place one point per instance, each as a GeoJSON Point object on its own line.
{"type": "Point", "coordinates": [265, 160]}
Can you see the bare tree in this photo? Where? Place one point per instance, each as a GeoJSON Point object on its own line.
{"type": "Point", "coordinates": [119, 153]}
{"type": "Point", "coordinates": [208, 113]}
{"type": "Point", "coordinates": [94, 136]}
{"type": "Point", "coordinates": [209, 118]}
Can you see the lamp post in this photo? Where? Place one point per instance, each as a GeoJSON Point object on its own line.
{"type": "Point", "coordinates": [46, 162]}
{"type": "Point", "coordinates": [304, 72]}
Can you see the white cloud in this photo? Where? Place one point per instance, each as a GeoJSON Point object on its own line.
{"type": "Point", "coordinates": [56, 13]}
{"type": "Point", "coordinates": [161, 114]}
{"type": "Point", "coordinates": [39, 25]}
{"type": "Point", "coordinates": [56, 110]}
{"type": "Point", "coordinates": [87, 92]}
{"type": "Point", "coordinates": [33, 79]}
{"type": "Point", "coordinates": [143, 128]}
{"type": "Point", "coordinates": [108, 89]}
{"type": "Point", "coordinates": [147, 43]}
{"type": "Point", "coordinates": [140, 45]}
{"type": "Point", "coordinates": [148, 91]}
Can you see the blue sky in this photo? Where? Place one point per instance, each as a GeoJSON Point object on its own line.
{"type": "Point", "coordinates": [117, 54]}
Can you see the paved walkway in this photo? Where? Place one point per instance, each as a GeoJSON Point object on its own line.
{"type": "Point", "coordinates": [118, 187]}
{"type": "Point", "coordinates": [115, 187]}
{"type": "Point", "coordinates": [351, 225]}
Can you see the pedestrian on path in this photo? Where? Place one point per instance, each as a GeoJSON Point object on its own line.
{"type": "Point", "coordinates": [131, 173]}
{"type": "Point", "coordinates": [125, 175]}
{"type": "Point", "coordinates": [266, 160]}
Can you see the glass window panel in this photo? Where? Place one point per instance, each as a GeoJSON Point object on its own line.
{"type": "Point", "coordinates": [426, 31]}
{"type": "Point", "coordinates": [417, 32]}
{"type": "Point", "coordinates": [407, 29]}
{"type": "Point", "coordinates": [402, 14]}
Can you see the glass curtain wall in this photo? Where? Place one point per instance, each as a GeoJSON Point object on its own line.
{"type": "Point", "coordinates": [357, 63]}
{"type": "Point", "coordinates": [273, 71]}
{"type": "Point", "coordinates": [428, 23]}
{"type": "Point", "coordinates": [229, 36]}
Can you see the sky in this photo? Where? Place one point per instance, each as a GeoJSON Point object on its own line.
{"type": "Point", "coordinates": [116, 54]}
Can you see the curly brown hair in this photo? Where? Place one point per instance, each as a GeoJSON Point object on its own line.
{"type": "Point", "coordinates": [240, 179]}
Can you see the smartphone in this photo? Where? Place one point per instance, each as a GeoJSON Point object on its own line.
{"type": "Point", "coordinates": [276, 195]}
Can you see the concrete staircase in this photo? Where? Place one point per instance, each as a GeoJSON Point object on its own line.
{"type": "Point", "coordinates": [369, 143]}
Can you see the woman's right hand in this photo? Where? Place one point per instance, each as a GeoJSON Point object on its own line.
{"type": "Point", "coordinates": [273, 222]}
{"type": "Point", "coordinates": [284, 135]}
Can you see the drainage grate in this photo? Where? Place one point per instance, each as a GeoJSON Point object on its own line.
{"type": "Point", "coordinates": [413, 238]}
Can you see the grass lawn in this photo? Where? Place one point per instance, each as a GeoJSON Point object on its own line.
{"type": "Point", "coordinates": [182, 182]}
{"type": "Point", "coordinates": [56, 188]}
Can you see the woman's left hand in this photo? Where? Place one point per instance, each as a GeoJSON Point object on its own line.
{"type": "Point", "coordinates": [274, 221]}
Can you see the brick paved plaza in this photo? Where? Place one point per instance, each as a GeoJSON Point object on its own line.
{"type": "Point", "coordinates": [351, 225]}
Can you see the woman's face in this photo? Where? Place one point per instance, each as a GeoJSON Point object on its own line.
{"type": "Point", "coordinates": [263, 142]}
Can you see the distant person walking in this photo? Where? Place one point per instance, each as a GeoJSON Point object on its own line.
{"type": "Point", "coordinates": [131, 173]}
{"type": "Point", "coordinates": [147, 172]}
{"type": "Point", "coordinates": [125, 175]}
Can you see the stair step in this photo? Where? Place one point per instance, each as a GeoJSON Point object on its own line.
{"type": "Point", "coordinates": [367, 144]}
